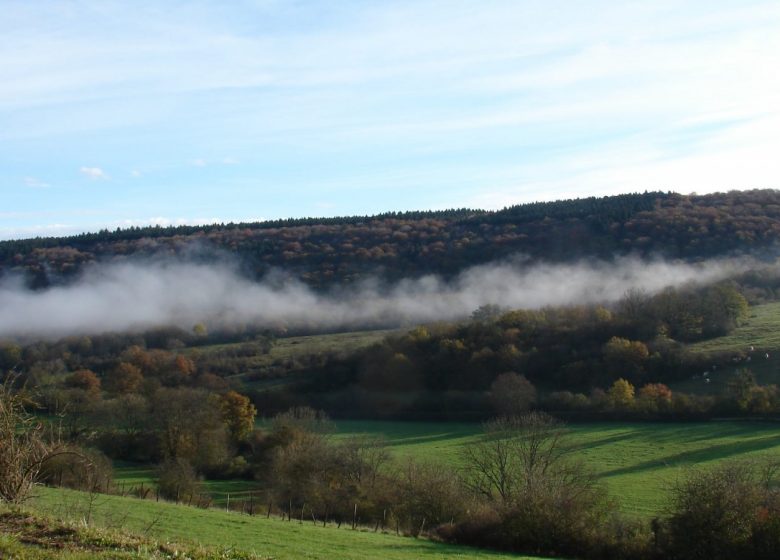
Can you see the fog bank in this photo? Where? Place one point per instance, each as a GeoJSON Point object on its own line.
{"type": "Point", "coordinates": [136, 296]}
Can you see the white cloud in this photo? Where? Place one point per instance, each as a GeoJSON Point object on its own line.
{"type": "Point", "coordinates": [94, 173]}
{"type": "Point", "coordinates": [198, 162]}
{"type": "Point", "coordinates": [135, 173]}
{"type": "Point", "coordinates": [34, 183]}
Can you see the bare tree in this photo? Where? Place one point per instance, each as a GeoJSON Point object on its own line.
{"type": "Point", "coordinates": [542, 500]}
{"type": "Point", "coordinates": [515, 456]}
{"type": "Point", "coordinates": [24, 447]}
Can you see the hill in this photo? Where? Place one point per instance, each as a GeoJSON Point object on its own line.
{"type": "Point", "coordinates": [325, 251]}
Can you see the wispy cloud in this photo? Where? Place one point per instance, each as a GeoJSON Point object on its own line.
{"type": "Point", "coordinates": [94, 173]}
{"type": "Point", "coordinates": [34, 183]}
{"type": "Point", "coordinates": [137, 295]}
{"type": "Point", "coordinates": [510, 100]}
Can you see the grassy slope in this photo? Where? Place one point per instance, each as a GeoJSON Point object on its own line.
{"type": "Point", "coordinates": [638, 461]}
{"type": "Point", "coordinates": [267, 537]}
{"type": "Point", "coordinates": [28, 535]}
{"type": "Point", "coordinates": [285, 349]}
{"type": "Point", "coordinates": [762, 332]}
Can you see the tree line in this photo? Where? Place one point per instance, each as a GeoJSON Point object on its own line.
{"type": "Point", "coordinates": [330, 251]}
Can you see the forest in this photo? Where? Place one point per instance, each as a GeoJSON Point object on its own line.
{"type": "Point", "coordinates": [338, 251]}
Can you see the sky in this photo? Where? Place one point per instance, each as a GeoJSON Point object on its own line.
{"type": "Point", "coordinates": [114, 114]}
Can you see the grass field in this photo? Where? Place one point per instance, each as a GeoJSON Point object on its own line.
{"type": "Point", "coordinates": [638, 462]}
{"type": "Point", "coordinates": [761, 332]}
{"type": "Point", "coordinates": [272, 537]}
{"type": "Point", "coordinates": [130, 476]}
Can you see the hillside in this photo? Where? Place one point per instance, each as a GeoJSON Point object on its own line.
{"type": "Point", "coordinates": [324, 252]}
{"type": "Point", "coordinates": [233, 535]}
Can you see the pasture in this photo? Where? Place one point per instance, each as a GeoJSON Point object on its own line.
{"type": "Point", "coordinates": [761, 332]}
{"type": "Point", "coordinates": [639, 462]}
{"type": "Point", "coordinates": [273, 537]}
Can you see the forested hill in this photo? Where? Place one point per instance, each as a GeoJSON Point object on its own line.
{"type": "Point", "coordinates": [322, 251]}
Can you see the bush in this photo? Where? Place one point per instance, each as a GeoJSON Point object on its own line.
{"type": "Point", "coordinates": [81, 469]}
{"type": "Point", "coordinates": [24, 447]}
{"type": "Point", "coordinates": [732, 511]}
{"type": "Point", "coordinates": [178, 481]}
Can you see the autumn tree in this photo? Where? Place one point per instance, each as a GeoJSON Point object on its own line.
{"type": "Point", "coordinates": [84, 379]}
{"type": "Point", "coordinates": [238, 413]}
{"type": "Point", "coordinates": [621, 395]}
{"type": "Point", "coordinates": [190, 426]}
{"type": "Point", "coordinates": [126, 378]}
{"type": "Point", "coordinates": [512, 394]}
{"type": "Point", "coordinates": [625, 358]}
{"type": "Point", "coordinates": [654, 397]}
{"type": "Point", "coordinates": [184, 365]}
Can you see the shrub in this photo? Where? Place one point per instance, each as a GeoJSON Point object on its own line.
{"type": "Point", "coordinates": [732, 511]}
{"type": "Point", "coordinates": [178, 481]}
{"type": "Point", "coordinates": [80, 469]}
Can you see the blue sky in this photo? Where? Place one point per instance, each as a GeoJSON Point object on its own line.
{"type": "Point", "coordinates": [128, 113]}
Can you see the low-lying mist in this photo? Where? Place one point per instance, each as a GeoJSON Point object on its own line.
{"type": "Point", "coordinates": [141, 295]}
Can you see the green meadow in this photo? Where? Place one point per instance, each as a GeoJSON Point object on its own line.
{"type": "Point", "coordinates": [638, 462]}
{"type": "Point", "coordinates": [761, 331]}
{"type": "Point", "coordinates": [272, 538]}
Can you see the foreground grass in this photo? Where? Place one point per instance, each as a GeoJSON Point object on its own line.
{"type": "Point", "coordinates": [241, 533]}
{"type": "Point", "coordinates": [639, 462]}
{"type": "Point", "coordinates": [27, 535]}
